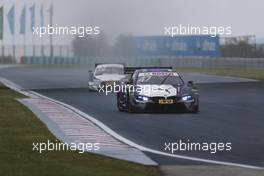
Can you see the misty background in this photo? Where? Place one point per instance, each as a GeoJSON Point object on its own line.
{"type": "Point", "coordinates": [139, 17]}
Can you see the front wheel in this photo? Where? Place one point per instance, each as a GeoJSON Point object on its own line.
{"type": "Point", "coordinates": [130, 107]}
{"type": "Point", "coordinates": [124, 104]}
{"type": "Point", "coordinates": [192, 107]}
{"type": "Point", "coordinates": [91, 89]}
{"type": "Point", "coordinates": [121, 102]}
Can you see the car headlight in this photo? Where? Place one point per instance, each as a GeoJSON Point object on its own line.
{"type": "Point", "coordinates": [187, 97]}
{"type": "Point", "coordinates": [142, 98]}
{"type": "Point", "coordinates": [145, 98]}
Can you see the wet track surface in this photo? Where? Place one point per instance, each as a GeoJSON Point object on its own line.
{"type": "Point", "coordinates": [229, 112]}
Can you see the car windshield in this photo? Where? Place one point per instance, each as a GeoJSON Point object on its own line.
{"type": "Point", "coordinates": [171, 78]}
{"type": "Point", "coordinates": [109, 70]}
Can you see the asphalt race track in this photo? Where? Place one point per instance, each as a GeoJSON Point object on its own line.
{"type": "Point", "coordinates": [231, 110]}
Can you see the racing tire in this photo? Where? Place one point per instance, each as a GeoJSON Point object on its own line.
{"type": "Point", "coordinates": [192, 107]}
{"type": "Point", "coordinates": [90, 88]}
{"type": "Point", "coordinates": [119, 105]}
{"type": "Point", "coordinates": [130, 107]}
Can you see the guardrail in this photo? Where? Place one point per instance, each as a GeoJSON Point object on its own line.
{"type": "Point", "coordinates": [149, 61]}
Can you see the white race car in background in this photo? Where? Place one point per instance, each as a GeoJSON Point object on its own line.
{"type": "Point", "coordinates": [105, 74]}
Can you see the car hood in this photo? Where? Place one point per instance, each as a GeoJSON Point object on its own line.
{"type": "Point", "coordinates": [163, 90]}
{"type": "Point", "coordinates": [110, 77]}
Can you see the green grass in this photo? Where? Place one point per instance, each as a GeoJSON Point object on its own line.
{"type": "Point", "coordinates": [19, 128]}
{"type": "Point", "coordinates": [235, 72]}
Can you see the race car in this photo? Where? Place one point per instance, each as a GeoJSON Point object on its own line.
{"type": "Point", "coordinates": [157, 89]}
{"type": "Point", "coordinates": [105, 74]}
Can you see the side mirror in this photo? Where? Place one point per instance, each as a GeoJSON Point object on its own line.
{"type": "Point", "coordinates": [90, 75]}
{"type": "Point", "coordinates": [190, 83]}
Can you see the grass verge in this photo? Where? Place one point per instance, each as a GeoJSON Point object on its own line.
{"type": "Point", "coordinates": [19, 128]}
{"type": "Point", "coordinates": [235, 72]}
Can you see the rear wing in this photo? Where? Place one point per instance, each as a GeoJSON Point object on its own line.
{"type": "Point", "coordinates": [131, 70]}
{"type": "Point", "coordinates": [96, 64]}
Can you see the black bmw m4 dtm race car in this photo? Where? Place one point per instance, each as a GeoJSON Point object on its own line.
{"type": "Point", "coordinates": [157, 89]}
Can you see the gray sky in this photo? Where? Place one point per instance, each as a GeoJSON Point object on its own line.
{"type": "Point", "coordinates": [146, 17]}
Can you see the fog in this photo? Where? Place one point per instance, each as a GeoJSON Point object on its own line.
{"type": "Point", "coordinates": [146, 17]}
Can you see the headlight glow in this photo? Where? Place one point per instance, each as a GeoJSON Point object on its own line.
{"type": "Point", "coordinates": [187, 97]}
{"type": "Point", "coordinates": [145, 98]}
{"type": "Point", "coordinates": [142, 98]}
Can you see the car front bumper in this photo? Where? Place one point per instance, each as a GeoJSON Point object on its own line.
{"type": "Point", "coordinates": [153, 104]}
